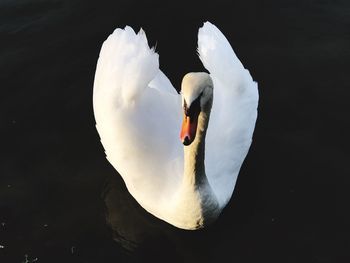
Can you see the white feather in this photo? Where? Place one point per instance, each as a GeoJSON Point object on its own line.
{"type": "Point", "coordinates": [234, 111]}
{"type": "Point", "coordinates": [138, 116]}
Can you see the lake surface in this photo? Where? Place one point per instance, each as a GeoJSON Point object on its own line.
{"type": "Point", "coordinates": [60, 199]}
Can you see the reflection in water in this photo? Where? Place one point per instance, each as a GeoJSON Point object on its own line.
{"type": "Point", "coordinates": [144, 235]}
{"type": "Point", "coordinates": [130, 223]}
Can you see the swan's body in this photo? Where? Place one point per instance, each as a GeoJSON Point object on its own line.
{"type": "Point", "coordinates": [138, 115]}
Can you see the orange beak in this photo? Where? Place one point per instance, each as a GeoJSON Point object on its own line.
{"type": "Point", "coordinates": [188, 130]}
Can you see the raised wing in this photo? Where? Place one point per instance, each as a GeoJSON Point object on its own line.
{"type": "Point", "coordinates": [137, 114]}
{"type": "Point", "coordinates": [234, 111]}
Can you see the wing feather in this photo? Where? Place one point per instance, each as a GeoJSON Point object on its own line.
{"type": "Point", "coordinates": [137, 114]}
{"type": "Point", "coordinates": [233, 114]}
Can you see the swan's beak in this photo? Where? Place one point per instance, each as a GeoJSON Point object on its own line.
{"type": "Point", "coordinates": [188, 130]}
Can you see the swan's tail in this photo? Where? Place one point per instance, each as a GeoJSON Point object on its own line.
{"type": "Point", "coordinates": [126, 63]}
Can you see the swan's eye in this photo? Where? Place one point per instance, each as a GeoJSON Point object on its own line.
{"type": "Point", "coordinates": [194, 108]}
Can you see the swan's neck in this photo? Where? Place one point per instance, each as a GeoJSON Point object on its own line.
{"type": "Point", "coordinates": [194, 155]}
{"type": "Point", "coordinates": [197, 203]}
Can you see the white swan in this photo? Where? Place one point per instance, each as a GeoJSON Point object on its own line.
{"type": "Point", "coordinates": [138, 117]}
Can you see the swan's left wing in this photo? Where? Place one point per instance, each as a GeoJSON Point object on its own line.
{"type": "Point", "coordinates": [233, 114]}
{"type": "Point", "coordinates": [137, 114]}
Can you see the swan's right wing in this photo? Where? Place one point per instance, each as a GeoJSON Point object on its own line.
{"type": "Point", "coordinates": [138, 117]}
{"type": "Point", "coordinates": [234, 111]}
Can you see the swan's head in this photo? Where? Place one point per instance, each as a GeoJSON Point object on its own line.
{"type": "Point", "coordinates": [197, 96]}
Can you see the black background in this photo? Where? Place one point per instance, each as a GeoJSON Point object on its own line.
{"type": "Point", "coordinates": [290, 202]}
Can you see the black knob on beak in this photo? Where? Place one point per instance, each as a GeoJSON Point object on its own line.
{"type": "Point", "coordinates": [186, 141]}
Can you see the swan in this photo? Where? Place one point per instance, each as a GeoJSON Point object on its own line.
{"type": "Point", "coordinates": [184, 181]}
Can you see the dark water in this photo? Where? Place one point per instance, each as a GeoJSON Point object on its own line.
{"type": "Point", "coordinates": [61, 201]}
